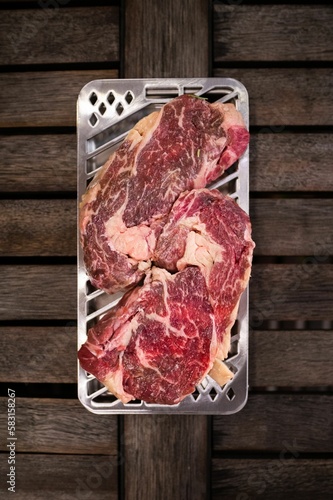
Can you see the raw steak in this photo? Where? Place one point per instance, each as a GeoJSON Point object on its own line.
{"type": "Point", "coordinates": [164, 337]}
{"type": "Point", "coordinates": [158, 342]}
{"type": "Point", "coordinates": [185, 145]}
{"type": "Point", "coordinates": [210, 231]}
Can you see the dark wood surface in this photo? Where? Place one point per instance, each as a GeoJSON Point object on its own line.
{"type": "Point", "coordinates": [65, 476]}
{"type": "Point", "coordinates": [74, 37]}
{"type": "Point", "coordinates": [174, 44]}
{"type": "Point", "coordinates": [173, 38]}
{"type": "Point", "coordinates": [276, 478]}
{"type": "Point", "coordinates": [282, 32]}
{"type": "Point", "coordinates": [280, 444]}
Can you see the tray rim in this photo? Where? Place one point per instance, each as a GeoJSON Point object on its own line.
{"type": "Point", "coordinates": [105, 408]}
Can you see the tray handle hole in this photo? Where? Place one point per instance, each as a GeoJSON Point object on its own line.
{"type": "Point", "coordinates": [102, 108]}
{"type": "Point", "coordinates": [93, 120]}
{"type": "Point", "coordinates": [120, 109]}
{"type": "Point", "coordinates": [129, 97]}
{"type": "Point", "coordinates": [231, 394]}
{"type": "Point", "coordinates": [93, 98]}
{"type": "Point", "coordinates": [110, 98]}
{"type": "Point", "coordinates": [213, 394]}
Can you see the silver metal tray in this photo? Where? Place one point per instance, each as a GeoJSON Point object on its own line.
{"type": "Point", "coordinates": [106, 111]}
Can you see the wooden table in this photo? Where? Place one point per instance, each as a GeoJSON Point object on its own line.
{"type": "Point", "coordinates": [280, 445]}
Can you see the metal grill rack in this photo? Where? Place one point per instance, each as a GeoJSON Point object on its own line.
{"type": "Point", "coordinates": [106, 111]}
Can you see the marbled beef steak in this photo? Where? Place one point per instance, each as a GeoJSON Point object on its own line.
{"type": "Point", "coordinates": [210, 231]}
{"type": "Point", "coordinates": [185, 145]}
{"type": "Point", "coordinates": [158, 342]}
{"type": "Point", "coordinates": [165, 336]}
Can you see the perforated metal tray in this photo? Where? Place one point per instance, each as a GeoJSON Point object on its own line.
{"type": "Point", "coordinates": [106, 111]}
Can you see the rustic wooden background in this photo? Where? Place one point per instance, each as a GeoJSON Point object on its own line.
{"type": "Point", "coordinates": [280, 445]}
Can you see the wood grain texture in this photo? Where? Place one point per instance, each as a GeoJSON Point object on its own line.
{"type": "Point", "coordinates": [38, 227]}
{"type": "Point", "coordinates": [272, 32]}
{"type": "Point", "coordinates": [280, 97]}
{"type": "Point", "coordinates": [43, 99]}
{"type": "Point", "coordinates": [59, 35]}
{"type": "Point", "coordinates": [277, 291]}
{"type": "Point", "coordinates": [166, 456]}
{"type": "Point", "coordinates": [278, 162]}
{"type": "Point", "coordinates": [288, 359]}
{"type": "Point", "coordinates": [173, 38]}
{"type": "Point", "coordinates": [270, 421]}
{"type": "Point", "coordinates": [291, 291]}
{"type": "Point", "coordinates": [294, 225]}
{"type": "Point", "coordinates": [38, 163]}
{"type": "Point", "coordinates": [162, 460]}
{"type": "Point", "coordinates": [48, 227]}
{"type": "Point", "coordinates": [60, 426]}
{"type": "Point", "coordinates": [281, 359]}
{"type": "Point", "coordinates": [64, 477]}
{"type": "Point", "coordinates": [39, 354]}
{"type": "Point", "coordinates": [45, 292]}
{"type": "Point", "coordinates": [286, 476]}
{"type": "Point", "coordinates": [291, 162]}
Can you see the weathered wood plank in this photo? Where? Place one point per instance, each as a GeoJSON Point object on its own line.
{"type": "Point", "coordinates": [291, 162]}
{"type": "Point", "coordinates": [281, 96]}
{"type": "Point", "coordinates": [165, 456]}
{"type": "Point", "coordinates": [59, 426]}
{"type": "Point", "coordinates": [38, 227]}
{"type": "Point", "coordinates": [52, 35]}
{"type": "Point", "coordinates": [269, 422]}
{"type": "Point", "coordinates": [38, 163]}
{"type": "Point", "coordinates": [278, 162]}
{"type": "Point", "coordinates": [39, 354]}
{"type": "Point", "coordinates": [277, 478]}
{"type": "Point", "coordinates": [63, 477]}
{"type": "Point", "coordinates": [28, 99]}
{"type": "Point", "coordinates": [173, 38]}
{"type": "Point", "coordinates": [272, 32]}
{"type": "Point", "coordinates": [291, 358]}
{"type": "Point", "coordinates": [48, 227]}
{"type": "Point", "coordinates": [38, 292]}
{"type": "Point", "coordinates": [277, 291]}
{"type": "Point", "coordinates": [277, 358]}
{"type": "Point", "coordinates": [173, 463]}
{"type": "Point", "coordinates": [294, 225]}
{"type": "Point", "coordinates": [291, 291]}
